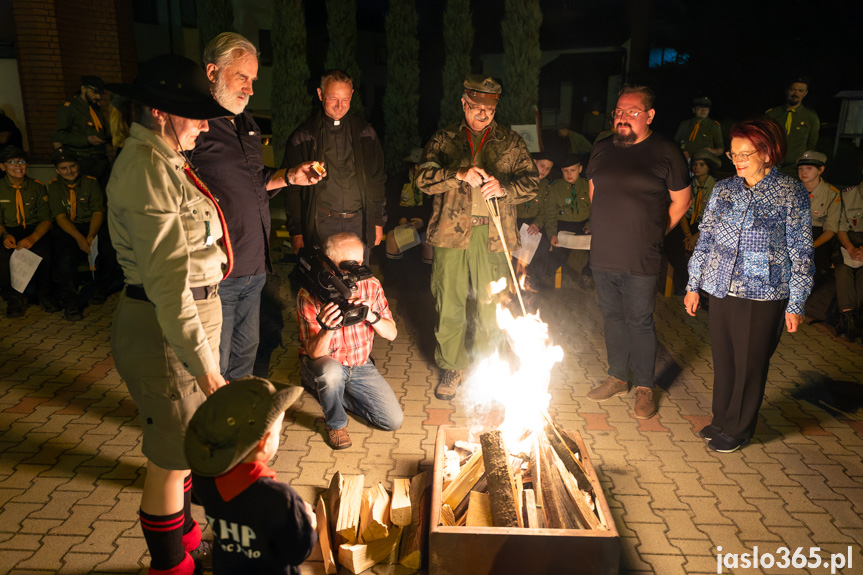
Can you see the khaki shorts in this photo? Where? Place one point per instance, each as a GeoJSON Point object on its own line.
{"type": "Point", "coordinates": [166, 394]}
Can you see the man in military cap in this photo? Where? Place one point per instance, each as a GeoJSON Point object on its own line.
{"type": "Point", "coordinates": [801, 124]}
{"type": "Point", "coordinates": [700, 132]}
{"type": "Point", "coordinates": [83, 130]}
{"type": "Point", "coordinates": [469, 167]}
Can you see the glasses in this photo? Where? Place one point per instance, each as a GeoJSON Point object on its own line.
{"type": "Point", "coordinates": [16, 162]}
{"type": "Point", "coordinates": [486, 109]}
{"type": "Point", "coordinates": [631, 113]}
{"type": "Point", "coordinates": [742, 157]}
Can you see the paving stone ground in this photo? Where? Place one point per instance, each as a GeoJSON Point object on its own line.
{"type": "Point", "coordinates": [71, 466]}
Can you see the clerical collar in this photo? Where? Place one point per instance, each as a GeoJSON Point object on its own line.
{"type": "Point", "coordinates": [332, 122]}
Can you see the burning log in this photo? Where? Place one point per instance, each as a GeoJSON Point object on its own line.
{"type": "Point", "coordinates": [374, 514]}
{"type": "Point", "coordinates": [501, 485]}
{"type": "Point", "coordinates": [400, 504]}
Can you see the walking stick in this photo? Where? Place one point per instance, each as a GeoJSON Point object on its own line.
{"type": "Point", "coordinates": [494, 210]}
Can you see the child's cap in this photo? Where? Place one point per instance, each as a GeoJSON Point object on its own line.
{"type": "Point", "coordinates": [12, 153]}
{"type": "Point", "coordinates": [232, 421]}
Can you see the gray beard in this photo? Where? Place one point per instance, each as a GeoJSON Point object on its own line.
{"type": "Point", "coordinates": [227, 99]}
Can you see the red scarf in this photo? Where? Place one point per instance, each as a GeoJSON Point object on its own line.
{"type": "Point", "coordinates": [225, 237]}
{"type": "Point", "coordinates": [241, 477]}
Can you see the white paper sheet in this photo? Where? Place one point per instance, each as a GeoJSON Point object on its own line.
{"type": "Point", "coordinates": [529, 243]}
{"type": "Point", "coordinates": [573, 241]}
{"type": "Point", "coordinates": [94, 251]}
{"type": "Point", "coordinates": [849, 261]}
{"type": "Point", "coordinates": [22, 266]}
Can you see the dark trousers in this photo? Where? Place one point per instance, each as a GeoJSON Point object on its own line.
{"type": "Point", "coordinates": [678, 256]}
{"type": "Point", "coordinates": [823, 253]}
{"type": "Point", "coordinates": [42, 277]}
{"type": "Point", "coordinates": [744, 334]}
{"type": "Point", "coordinates": [539, 266]}
{"type": "Point", "coordinates": [627, 302]}
{"type": "Point", "coordinates": [67, 257]}
{"type": "Point", "coordinates": [326, 226]}
{"type": "Point", "coordinates": [559, 256]}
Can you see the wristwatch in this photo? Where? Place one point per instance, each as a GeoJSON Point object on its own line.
{"type": "Point", "coordinates": [377, 318]}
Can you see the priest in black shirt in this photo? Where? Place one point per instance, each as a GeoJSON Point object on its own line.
{"type": "Point", "coordinates": [639, 188]}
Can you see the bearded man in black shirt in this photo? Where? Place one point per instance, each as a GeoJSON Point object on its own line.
{"type": "Point", "coordinates": [639, 189]}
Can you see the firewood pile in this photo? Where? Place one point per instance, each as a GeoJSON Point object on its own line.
{"type": "Point", "coordinates": [485, 486]}
{"type": "Point", "coordinates": [360, 527]}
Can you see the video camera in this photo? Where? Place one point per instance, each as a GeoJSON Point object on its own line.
{"type": "Point", "coordinates": [329, 283]}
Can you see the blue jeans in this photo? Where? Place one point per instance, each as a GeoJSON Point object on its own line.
{"type": "Point", "coordinates": [241, 320]}
{"type": "Point", "coordinates": [360, 389]}
{"type": "Point", "coordinates": [627, 302]}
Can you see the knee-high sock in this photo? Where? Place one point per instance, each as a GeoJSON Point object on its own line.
{"type": "Point", "coordinates": [164, 536]}
{"type": "Point", "coordinates": [191, 530]}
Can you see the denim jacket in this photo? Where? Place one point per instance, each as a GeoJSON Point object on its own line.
{"type": "Point", "coordinates": [756, 243]}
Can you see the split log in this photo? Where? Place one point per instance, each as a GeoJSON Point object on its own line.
{"type": "Point", "coordinates": [350, 503]}
{"type": "Point", "coordinates": [585, 514]}
{"type": "Point", "coordinates": [324, 541]}
{"type": "Point", "coordinates": [481, 487]}
{"type": "Point", "coordinates": [501, 485]}
{"type": "Point", "coordinates": [536, 479]}
{"type": "Point", "coordinates": [464, 481]}
{"type": "Point", "coordinates": [531, 517]}
{"type": "Point", "coordinates": [572, 464]}
{"type": "Point", "coordinates": [359, 557]}
{"type": "Point", "coordinates": [558, 508]}
{"type": "Point", "coordinates": [465, 449]}
{"type": "Point", "coordinates": [478, 510]}
{"type": "Point", "coordinates": [400, 504]}
{"type": "Point", "coordinates": [416, 534]}
{"type": "Point", "coordinates": [447, 517]}
{"type": "Point", "coordinates": [568, 440]}
{"type": "Point", "coordinates": [519, 489]}
{"type": "Point", "coordinates": [451, 466]}
{"type": "Point", "coordinates": [374, 514]}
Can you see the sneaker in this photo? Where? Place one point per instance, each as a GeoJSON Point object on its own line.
{"type": "Point", "coordinates": [645, 407]}
{"type": "Point", "coordinates": [449, 382]}
{"type": "Point", "coordinates": [338, 438]}
{"type": "Point", "coordinates": [726, 444]}
{"type": "Point", "coordinates": [203, 557]}
{"type": "Point", "coordinates": [708, 432]}
{"type": "Point", "coordinates": [609, 388]}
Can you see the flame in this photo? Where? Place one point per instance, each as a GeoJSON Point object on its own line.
{"type": "Point", "coordinates": [519, 386]}
{"type": "Point", "coordinates": [497, 287]}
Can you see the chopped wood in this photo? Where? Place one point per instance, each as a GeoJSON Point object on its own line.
{"type": "Point", "coordinates": [572, 464]}
{"type": "Point", "coordinates": [323, 529]}
{"type": "Point", "coordinates": [447, 517]}
{"type": "Point", "coordinates": [519, 488]}
{"type": "Point", "coordinates": [536, 476]}
{"type": "Point", "coordinates": [585, 514]}
{"type": "Point", "coordinates": [464, 482]}
{"type": "Point", "coordinates": [465, 450]}
{"type": "Point", "coordinates": [451, 466]}
{"type": "Point", "coordinates": [481, 486]}
{"type": "Point", "coordinates": [501, 485]}
{"type": "Point", "coordinates": [478, 510]}
{"type": "Point", "coordinates": [558, 508]}
{"type": "Point", "coordinates": [461, 521]}
{"type": "Point", "coordinates": [400, 504]}
{"type": "Point", "coordinates": [531, 517]}
{"type": "Point", "coordinates": [416, 534]}
{"type": "Point", "coordinates": [359, 557]}
{"type": "Point", "coordinates": [350, 503]}
{"type": "Point", "coordinates": [374, 514]}
{"type": "Point", "coordinates": [570, 443]}
{"type": "Point", "coordinates": [331, 498]}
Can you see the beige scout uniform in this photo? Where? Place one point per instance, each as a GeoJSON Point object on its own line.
{"type": "Point", "coordinates": [849, 281]}
{"type": "Point", "coordinates": [826, 205]}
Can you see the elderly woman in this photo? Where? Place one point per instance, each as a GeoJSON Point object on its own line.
{"type": "Point", "coordinates": [173, 248]}
{"type": "Point", "coordinates": [754, 259]}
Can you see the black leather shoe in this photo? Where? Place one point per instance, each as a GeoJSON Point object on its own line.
{"type": "Point", "coordinates": [708, 432]}
{"type": "Point", "coordinates": [726, 444]}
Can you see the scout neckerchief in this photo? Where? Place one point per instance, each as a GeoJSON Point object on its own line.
{"type": "Point", "coordinates": [473, 152]}
{"type": "Point", "coordinates": [20, 214]}
{"type": "Point", "coordinates": [73, 201]}
{"type": "Point", "coordinates": [694, 131]}
{"type": "Point", "coordinates": [573, 206]}
{"type": "Point", "coordinates": [96, 123]}
{"type": "Point", "coordinates": [226, 239]}
{"type": "Point", "coordinates": [788, 120]}
{"type": "Point", "coordinates": [699, 199]}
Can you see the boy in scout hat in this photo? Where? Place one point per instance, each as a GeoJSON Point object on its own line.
{"type": "Point", "coordinates": [567, 208]}
{"type": "Point", "coordinates": [826, 204]}
{"type": "Point", "coordinates": [260, 525]}
{"type": "Point", "coordinates": [700, 132]}
{"type": "Point", "coordinates": [25, 218]}
{"type": "Point", "coordinates": [78, 206]}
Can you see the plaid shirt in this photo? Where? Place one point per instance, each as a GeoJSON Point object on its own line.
{"type": "Point", "coordinates": [350, 346]}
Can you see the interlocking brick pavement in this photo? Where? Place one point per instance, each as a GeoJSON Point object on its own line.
{"type": "Point", "coordinates": [71, 469]}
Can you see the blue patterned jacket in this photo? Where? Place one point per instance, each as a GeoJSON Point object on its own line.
{"type": "Point", "coordinates": [756, 243]}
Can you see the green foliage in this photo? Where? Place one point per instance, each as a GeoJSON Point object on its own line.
{"type": "Point", "coordinates": [520, 28]}
{"type": "Point", "coordinates": [214, 17]}
{"type": "Point", "coordinates": [401, 100]}
{"type": "Point", "coordinates": [458, 34]}
{"type": "Point", "coordinates": [291, 100]}
{"type": "Point", "coordinates": [342, 49]}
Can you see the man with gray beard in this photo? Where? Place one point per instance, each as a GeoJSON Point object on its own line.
{"type": "Point", "coordinates": [229, 160]}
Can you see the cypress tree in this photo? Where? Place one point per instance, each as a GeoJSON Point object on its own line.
{"type": "Point", "coordinates": [291, 101]}
{"type": "Point", "coordinates": [458, 34]}
{"type": "Point", "coordinates": [401, 100]}
{"type": "Point", "coordinates": [214, 17]}
{"type": "Point", "coordinates": [520, 28]}
{"type": "Point", "coordinates": [342, 49]}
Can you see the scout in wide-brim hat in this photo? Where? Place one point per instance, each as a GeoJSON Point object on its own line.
{"type": "Point", "coordinates": [175, 85]}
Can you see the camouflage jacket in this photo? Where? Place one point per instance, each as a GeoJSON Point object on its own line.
{"type": "Point", "coordinates": [503, 155]}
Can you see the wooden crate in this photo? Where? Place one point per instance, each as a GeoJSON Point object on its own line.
{"type": "Point", "coordinates": [496, 550]}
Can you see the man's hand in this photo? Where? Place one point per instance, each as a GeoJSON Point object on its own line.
{"type": "Point", "coordinates": [210, 382]}
{"type": "Point", "coordinates": [793, 321]}
{"type": "Point", "coordinates": [691, 302]}
{"type": "Point", "coordinates": [379, 235]}
{"type": "Point", "coordinates": [83, 244]}
{"type": "Point", "coordinates": [9, 242]}
{"type": "Point", "coordinates": [856, 254]}
{"type": "Point", "coordinates": [330, 316]}
{"type": "Point", "coordinates": [554, 242]}
{"type": "Point", "coordinates": [297, 243]}
{"type": "Point", "coordinates": [304, 174]}
{"type": "Point", "coordinates": [26, 243]}
{"type": "Point", "coordinates": [533, 230]}
{"type": "Point", "coordinates": [95, 140]}
{"type": "Point", "coordinates": [491, 188]}
{"type": "Point", "coordinates": [473, 176]}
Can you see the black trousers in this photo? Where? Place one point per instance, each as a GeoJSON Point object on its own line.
{"type": "Point", "coordinates": [823, 253]}
{"type": "Point", "coordinates": [67, 256]}
{"type": "Point", "coordinates": [744, 334]}
{"type": "Point", "coordinates": [559, 256]}
{"type": "Point", "coordinates": [42, 277]}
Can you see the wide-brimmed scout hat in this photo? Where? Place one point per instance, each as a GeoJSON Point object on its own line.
{"type": "Point", "coordinates": [232, 421]}
{"type": "Point", "coordinates": [708, 158]}
{"type": "Point", "coordinates": [11, 153]}
{"type": "Point", "coordinates": [484, 90]}
{"type": "Point", "coordinates": [812, 158]}
{"type": "Point", "coordinates": [175, 85]}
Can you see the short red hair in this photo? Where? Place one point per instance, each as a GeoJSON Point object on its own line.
{"type": "Point", "coordinates": [766, 136]}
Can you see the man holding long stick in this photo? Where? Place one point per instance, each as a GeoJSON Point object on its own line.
{"type": "Point", "coordinates": [464, 166]}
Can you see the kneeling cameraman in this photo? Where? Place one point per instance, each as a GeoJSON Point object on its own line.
{"type": "Point", "coordinates": [335, 360]}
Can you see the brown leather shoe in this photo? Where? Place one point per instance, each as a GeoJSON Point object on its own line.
{"type": "Point", "coordinates": [449, 382]}
{"type": "Point", "coordinates": [338, 438]}
{"type": "Point", "coordinates": [645, 407]}
{"type": "Point", "coordinates": [609, 388]}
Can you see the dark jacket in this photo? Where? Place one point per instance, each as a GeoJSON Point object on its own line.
{"type": "Point", "coordinates": [304, 145]}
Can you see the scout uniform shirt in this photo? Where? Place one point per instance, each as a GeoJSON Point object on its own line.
{"type": "Point", "coordinates": [694, 135]}
{"type": "Point", "coordinates": [849, 218]}
{"type": "Point", "coordinates": [700, 199]}
{"type": "Point", "coordinates": [534, 209]}
{"type": "Point", "coordinates": [79, 200]}
{"type": "Point", "coordinates": [826, 202]}
{"type": "Point", "coordinates": [800, 126]}
{"type": "Point", "coordinates": [76, 120]}
{"type": "Point", "coordinates": [25, 209]}
{"type": "Point", "coordinates": [566, 203]}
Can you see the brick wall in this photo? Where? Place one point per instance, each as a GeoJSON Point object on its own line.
{"type": "Point", "coordinates": [57, 42]}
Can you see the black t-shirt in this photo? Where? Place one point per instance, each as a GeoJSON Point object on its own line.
{"type": "Point", "coordinates": [629, 212]}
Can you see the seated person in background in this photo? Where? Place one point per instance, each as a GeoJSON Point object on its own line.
{"type": "Point", "coordinates": [25, 218]}
{"type": "Point", "coordinates": [78, 206]}
{"type": "Point", "coordinates": [260, 525]}
{"type": "Point", "coordinates": [681, 240]}
{"type": "Point", "coordinates": [578, 144]}
{"type": "Point", "coordinates": [532, 213]}
{"type": "Point", "coordinates": [849, 279]}
{"type": "Point", "coordinates": [410, 211]}
{"type": "Point", "coordinates": [567, 208]}
{"type": "Point", "coordinates": [335, 360]}
{"type": "Point", "coordinates": [826, 205]}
